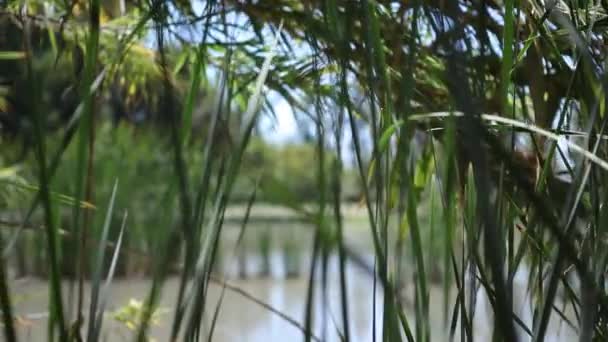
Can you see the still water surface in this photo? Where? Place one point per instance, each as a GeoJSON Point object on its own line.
{"type": "Point", "coordinates": [240, 318]}
{"type": "Point", "coordinates": [268, 254]}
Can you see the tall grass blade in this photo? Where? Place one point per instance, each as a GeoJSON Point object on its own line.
{"type": "Point", "coordinates": [5, 302]}
{"type": "Point", "coordinates": [105, 292]}
{"type": "Point", "coordinates": [85, 146]}
{"type": "Point", "coordinates": [39, 122]}
{"type": "Point", "coordinates": [236, 246]}
{"type": "Point", "coordinates": [333, 21]}
{"type": "Point", "coordinates": [94, 330]}
{"type": "Point", "coordinates": [186, 118]}
{"type": "Point", "coordinates": [422, 320]}
{"type": "Point", "coordinates": [507, 53]}
{"type": "Point", "coordinates": [209, 241]}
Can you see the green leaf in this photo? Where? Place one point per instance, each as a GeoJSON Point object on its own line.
{"type": "Point", "coordinates": [527, 43]}
{"type": "Point", "coordinates": [9, 172]}
{"type": "Point", "coordinates": [388, 133]}
{"type": "Point", "coordinates": [99, 261]}
{"type": "Point", "coordinates": [507, 54]}
{"type": "Point", "coordinates": [181, 61]}
{"type": "Point", "coordinates": [423, 171]}
{"type": "Point", "coordinates": [8, 55]}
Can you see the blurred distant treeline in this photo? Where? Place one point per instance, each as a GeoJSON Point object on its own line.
{"type": "Point", "coordinates": [133, 142]}
{"type": "Point", "coordinates": [133, 132]}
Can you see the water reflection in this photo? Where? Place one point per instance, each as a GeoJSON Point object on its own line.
{"type": "Point", "coordinates": [240, 319]}
{"type": "Point", "coordinates": [271, 264]}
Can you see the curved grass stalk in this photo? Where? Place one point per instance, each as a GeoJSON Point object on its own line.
{"type": "Point", "coordinates": [519, 124]}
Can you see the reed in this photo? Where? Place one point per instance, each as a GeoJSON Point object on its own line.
{"type": "Point", "coordinates": [426, 103]}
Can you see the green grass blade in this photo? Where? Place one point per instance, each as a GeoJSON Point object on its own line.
{"type": "Point", "coordinates": [5, 302]}
{"type": "Point", "coordinates": [85, 146]}
{"type": "Point", "coordinates": [94, 330]}
{"type": "Point", "coordinates": [11, 55]}
{"type": "Point", "coordinates": [210, 241]}
{"type": "Point", "coordinates": [507, 54]}
{"type": "Point", "coordinates": [422, 321]}
{"type": "Point", "coordinates": [106, 289]}
{"type": "Point", "coordinates": [39, 122]}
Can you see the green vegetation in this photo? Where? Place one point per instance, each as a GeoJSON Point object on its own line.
{"type": "Point", "coordinates": [471, 133]}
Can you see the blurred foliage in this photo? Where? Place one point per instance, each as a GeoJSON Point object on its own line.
{"type": "Point", "coordinates": [171, 83]}
{"type": "Point", "coordinates": [131, 314]}
{"type": "Point", "coordinates": [294, 166]}
{"type": "Point", "coordinates": [141, 163]}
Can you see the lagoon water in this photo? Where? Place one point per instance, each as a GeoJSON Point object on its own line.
{"type": "Point", "coordinates": [272, 267]}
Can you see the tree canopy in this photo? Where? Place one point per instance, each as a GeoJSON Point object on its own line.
{"type": "Point", "coordinates": [397, 52]}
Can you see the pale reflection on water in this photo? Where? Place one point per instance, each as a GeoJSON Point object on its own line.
{"type": "Point", "coordinates": [241, 319]}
